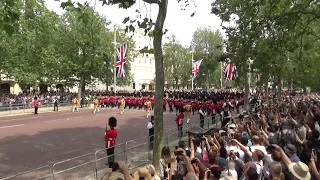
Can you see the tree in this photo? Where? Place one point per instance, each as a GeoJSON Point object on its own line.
{"type": "Point", "coordinates": [177, 63]}
{"type": "Point", "coordinates": [157, 34]}
{"type": "Point", "coordinates": [155, 30]}
{"type": "Point", "coordinates": [265, 32]}
{"type": "Point", "coordinates": [208, 47]}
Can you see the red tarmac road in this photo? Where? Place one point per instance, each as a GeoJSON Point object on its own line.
{"type": "Point", "coordinates": [31, 141]}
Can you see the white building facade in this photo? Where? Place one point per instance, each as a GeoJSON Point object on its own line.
{"type": "Point", "coordinates": [143, 66]}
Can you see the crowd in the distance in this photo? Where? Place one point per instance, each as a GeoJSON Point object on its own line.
{"type": "Point", "coordinates": [278, 140]}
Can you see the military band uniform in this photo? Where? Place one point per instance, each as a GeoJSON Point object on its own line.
{"type": "Point", "coordinates": [122, 105]}
{"type": "Point", "coordinates": [74, 104]}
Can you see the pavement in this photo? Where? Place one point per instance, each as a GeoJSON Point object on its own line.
{"type": "Point", "coordinates": [32, 141]}
{"type": "Point", "coordinates": [30, 111]}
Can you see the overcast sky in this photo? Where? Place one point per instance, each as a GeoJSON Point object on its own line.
{"type": "Point", "coordinates": [179, 23]}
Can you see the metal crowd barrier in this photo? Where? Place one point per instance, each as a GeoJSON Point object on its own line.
{"type": "Point", "coordinates": [24, 175]}
{"type": "Point", "coordinates": [93, 165]}
{"type": "Point", "coordinates": [23, 108]}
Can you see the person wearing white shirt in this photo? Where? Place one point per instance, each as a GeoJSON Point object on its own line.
{"type": "Point", "coordinates": [202, 113]}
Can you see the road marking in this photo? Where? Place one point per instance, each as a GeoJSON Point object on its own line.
{"type": "Point", "coordinates": [3, 127]}
{"type": "Point", "coordinates": [66, 119]}
{"type": "Point", "coordinates": [18, 119]}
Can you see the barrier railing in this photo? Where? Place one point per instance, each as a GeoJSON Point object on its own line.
{"type": "Point", "coordinates": [28, 108]}
{"type": "Point", "coordinates": [83, 165]}
{"type": "Point", "coordinates": [101, 158]}
{"type": "Point", "coordinates": [93, 165]}
{"type": "Point", "coordinates": [40, 173]}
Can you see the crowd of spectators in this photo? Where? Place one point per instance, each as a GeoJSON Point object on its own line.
{"type": "Point", "coordinates": [278, 140]}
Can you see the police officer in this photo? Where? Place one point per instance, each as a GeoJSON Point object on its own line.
{"type": "Point", "coordinates": [150, 126]}
{"type": "Point", "coordinates": [55, 104]}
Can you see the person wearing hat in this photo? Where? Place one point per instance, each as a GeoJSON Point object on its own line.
{"type": "Point", "coordinates": [142, 173]}
{"type": "Point", "coordinates": [179, 122]}
{"type": "Point", "coordinates": [227, 178]}
{"type": "Point", "coordinates": [291, 152]}
{"type": "Point", "coordinates": [225, 116]}
{"type": "Point", "coordinates": [299, 170]}
{"type": "Point", "coordinates": [150, 127]}
{"type": "Point", "coordinates": [35, 105]}
{"type": "Point", "coordinates": [110, 138]}
{"type": "Point", "coordinates": [122, 105]}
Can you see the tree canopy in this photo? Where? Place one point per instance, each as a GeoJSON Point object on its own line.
{"type": "Point", "coordinates": [279, 36]}
{"type": "Point", "coordinates": [45, 47]}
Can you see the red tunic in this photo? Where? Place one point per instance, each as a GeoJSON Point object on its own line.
{"type": "Point", "coordinates": [110, 137]}
{"type": "Point", "coordinates": [35, 103]}
{"type": "Point", "coordinates": [179, 119]}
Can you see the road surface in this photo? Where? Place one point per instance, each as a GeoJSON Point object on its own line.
{"type": "Point", "coordinates": [31, 141]}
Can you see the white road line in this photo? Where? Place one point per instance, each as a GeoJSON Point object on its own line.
{"type": "Point", "coordinates": [66, 119]}
{"type": "Point", "coordinates": [3, 127]}
{"type": "Point", "coordinates": [18, 119]}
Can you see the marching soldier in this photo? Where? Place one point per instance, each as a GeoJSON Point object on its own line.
{"type": "Point", "coordinates": [164, 103]}
{"type": "Point", "coordinates": [188, 109]}
{"type": "Point", "coordinates": [179, 122]}
{"type": "Point", "coordinates": [171, 105]}
{"type": "Point", "coordinates": [74, 104]}
{"type": "Point", "coordinates": [122, 105]}
{"type": "Point", "coordinates": [148, 107]}
{"type": "Point", "coordinates": [96, 105]}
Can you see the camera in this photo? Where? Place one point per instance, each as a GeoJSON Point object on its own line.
{"type": "Point", "coordinates": [177, 153]}
{"type": "Point", "coordinates": [115, 166]}
{"type": "Point", "coordinates": [193, 161]}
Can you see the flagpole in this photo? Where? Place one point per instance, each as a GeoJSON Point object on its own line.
{"type": "Point", "coordinates": [192, 69]}
{"type": "Point", "coordinates": [221, 75]}
{"type": "Point", "coordinates": [115, 60]}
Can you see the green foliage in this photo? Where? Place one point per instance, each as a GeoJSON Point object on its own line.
{"type": "Point", "coordinates": [60, 49]}
{"type": "Point", "coordinates": [276, 35]}
{"type": "Point", "coordinates": [177, 64]}
{"type": "Point", "coordinates": [207, 44]}
{"type": "Point", "coordinates": [9, 15]}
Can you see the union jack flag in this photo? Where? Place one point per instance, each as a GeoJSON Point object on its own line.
{"type": "Point", "coordinates": [230, 72]}
{"type": "Point", "coordinates": [195, 69]}
{"type": "Point", "coordinates": [121, 61]}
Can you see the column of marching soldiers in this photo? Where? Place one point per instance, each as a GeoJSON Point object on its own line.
{"type": "Point", "coordinates": [213, 102]}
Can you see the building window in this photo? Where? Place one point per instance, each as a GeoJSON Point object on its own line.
{"type": "Point", "coordinates": [143, 86]}
{"type": "Point", "coordinates": [133, 85]}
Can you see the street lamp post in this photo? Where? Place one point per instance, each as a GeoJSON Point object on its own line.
{"type": "Point", "coordinates": [192, 52]}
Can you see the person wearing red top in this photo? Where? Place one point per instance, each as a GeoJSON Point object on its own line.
{"type": "Point", "coordinates": [164, 103]}
{"type": "Point", "coordinates": [152, 102]}
{"type": "Point", "coordinates": [179, 122]}
{"type": "Point", "coordinates": [107, 101]}
{"type": "Point", "coordinates": [35, 105]}
{"type": "Point", "coordinates": [178, 105]}
{"type": "Point", "coordinates": [139, 102]}
{"type": "Point", "coordinates": [171, 105]}
{"type": "Point", "coordinates": [110, 137]}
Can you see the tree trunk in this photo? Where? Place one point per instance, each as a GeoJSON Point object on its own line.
{"type": "Point", "coordinates": [81, 83]}
{"type": "Point", "coordinates": [158, 109]}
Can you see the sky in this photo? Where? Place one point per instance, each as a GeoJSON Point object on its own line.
{"type": "Point", "coordinates": [178, 22]}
